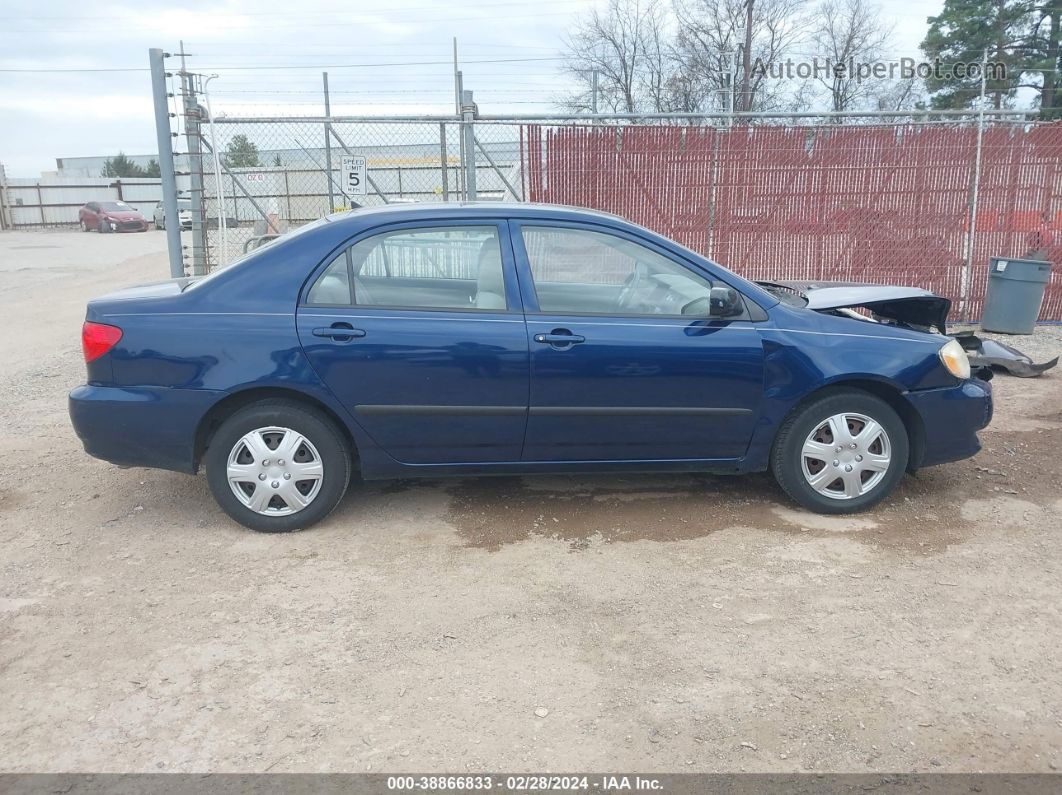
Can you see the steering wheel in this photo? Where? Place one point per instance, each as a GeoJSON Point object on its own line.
{"type": "Point", "coordinates": [630, 287]}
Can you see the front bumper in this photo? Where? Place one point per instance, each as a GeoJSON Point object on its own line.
{"type": "Point", "coordinates": [951, 418]}
{"type": "Point", "coordinates": [127, 226]}
{"type": "Point", "coordinates": [140, 426]}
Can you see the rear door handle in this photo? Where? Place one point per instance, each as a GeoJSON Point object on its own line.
{"type": "Point", "coordinates": [341, 332]}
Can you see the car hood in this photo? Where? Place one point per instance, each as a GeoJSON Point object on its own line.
{"type": "Point", "coordinates": [908, 306]}
{"type": "Point", "coordinates": [124, 216]}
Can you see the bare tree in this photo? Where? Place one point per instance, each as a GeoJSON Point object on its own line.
{"type": "Point", "coordinates": [627, 46]}
{"type": "Point", "coordinates": [706, 55]}
{"type": "Point", "coordinates": [719, 44]}
{"type": "Point", "coordinates": [847, 32]}
{"type": "Point", "coordinates": [900, 95]}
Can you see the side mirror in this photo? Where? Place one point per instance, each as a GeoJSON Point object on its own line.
{"type": "Point", "coordinates": [724, 302]}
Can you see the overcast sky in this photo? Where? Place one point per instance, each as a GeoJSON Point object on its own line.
{"type": "Point", "coordinates": [508, 51]}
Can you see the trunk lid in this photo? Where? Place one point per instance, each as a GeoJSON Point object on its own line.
{"type": "Point", "coordinates": [164, 289]}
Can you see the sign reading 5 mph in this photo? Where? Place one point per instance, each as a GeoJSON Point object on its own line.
{"type": "Point", "coordinates": [354, 177]}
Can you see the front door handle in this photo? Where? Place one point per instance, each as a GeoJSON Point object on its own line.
{"type": "Point", "coordinates": [340, 332]}
{"type": "Point", "coordinates": [559, 337]}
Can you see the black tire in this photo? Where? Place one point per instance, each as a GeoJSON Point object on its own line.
{"type": "Point", "coordinates": [329, 442]}
{"type": "Point", "coordinates": [84, 226]}
{"type": "Point", "coordinates": [787, 462]}
{"type": "Point", "coordinates": [102, 228]}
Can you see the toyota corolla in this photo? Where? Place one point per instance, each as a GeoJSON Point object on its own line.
{"type": "Point", "coordinates": [448, 339]}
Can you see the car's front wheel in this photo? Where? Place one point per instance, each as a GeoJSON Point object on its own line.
{"type": "Point", "coordinates": [278, 466]}
{"type": "Point", "coordinates": [841, 452]}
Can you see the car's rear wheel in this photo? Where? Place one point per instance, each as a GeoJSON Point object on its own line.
{"type": "Point", "coordinates": [842, 452]}
{"type": "Point", "coordinates": [278, 466]}
{"type": "Point", "coordinates": [84, 226]}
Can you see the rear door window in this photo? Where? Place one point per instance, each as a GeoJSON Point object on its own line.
{"type": "Point", "coordinates": [437, 267]}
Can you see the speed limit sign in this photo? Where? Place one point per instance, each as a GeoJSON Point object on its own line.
{"type": "Point", "coordinates": [354, 175]}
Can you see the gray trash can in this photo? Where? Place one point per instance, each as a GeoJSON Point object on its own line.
{"type": "Point", "coordinates": [1015, 292]}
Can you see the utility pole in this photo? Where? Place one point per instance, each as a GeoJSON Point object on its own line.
{"type": "Point", "coordinates": [462, 187]}
{"type": "Point", "coordinates": [458, 88]}
{"type": "Point", "coordinates": [164, 139]}
{"type": "Point", "coordinates": [593, 92]}
{"type": "Point", "coordinates": [457, 82]}
{"type": "Point", "coordinates": [328, 144]}
{"type": "Point", "coordinates": [731, 80]}
{"type": "Point", "coordinates": [964, 283]}
{"type": "Point", "coordinates": [195, 161]}
{"type": "Point", "coordinates": [468, 135]}
{"type": "Point", "coordinates": [746, 58]}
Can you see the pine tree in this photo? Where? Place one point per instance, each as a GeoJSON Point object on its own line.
{"type": "Point", "coordinates": [963, 32]}
{"type": "Point", "coordinates": [121, 166]}
{"type": "Point", "coordinates": [241, 153]}
{"type": "Point", "coordinates": [1045, 51]}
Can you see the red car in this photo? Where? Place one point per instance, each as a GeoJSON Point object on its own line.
{"type": "Point", "coordinates": [111, 217]}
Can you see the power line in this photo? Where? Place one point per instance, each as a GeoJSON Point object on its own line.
{"type": "Point", "coordinates": [282, 67]}
{"type": "Point", "coordinates": [288, 27]}
{"type": "Point", "coordinates": [374, 65]}
{"type": "Point", "coordinates": [117, 69]}
{"type": "Point", "coordinates": [487, 6]}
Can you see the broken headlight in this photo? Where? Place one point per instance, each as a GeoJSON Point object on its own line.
{"type": "Point", "coordinates": [955, 359]}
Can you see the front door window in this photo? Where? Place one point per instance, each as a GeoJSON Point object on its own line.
{"type": "Point", "coordinates": [580, 271]}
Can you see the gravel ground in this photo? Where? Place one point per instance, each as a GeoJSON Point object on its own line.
{"type": "Point", "coordinates": [670, 623]}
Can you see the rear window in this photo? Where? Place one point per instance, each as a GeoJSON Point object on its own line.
{"type": "Point", "coordinates": [251, 255]}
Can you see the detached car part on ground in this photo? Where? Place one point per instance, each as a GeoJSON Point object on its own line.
{"type": "Point", "coordinates": [993, 355]}
{"type": "Point", "coordinates": [471, 339]}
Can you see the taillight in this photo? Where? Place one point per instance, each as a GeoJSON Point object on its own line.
{"type": "Point", "coordinates": [98, 338]}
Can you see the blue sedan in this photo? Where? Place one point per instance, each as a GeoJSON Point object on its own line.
{"type": "Point", "coordinates": [461, 339]}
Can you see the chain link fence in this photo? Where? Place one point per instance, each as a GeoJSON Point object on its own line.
{"type": "Point", "coordinates": [914, 201]}
{"type": "Point", "coordinates": [274, 175]}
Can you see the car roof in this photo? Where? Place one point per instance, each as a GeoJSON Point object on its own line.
{"type": "Point", "coordinates": [411, 211]}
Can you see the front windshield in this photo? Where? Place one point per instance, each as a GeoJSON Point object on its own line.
{"type": "Point", "coordinates": [787, 295]}
{"type": "Point", "coordinates": [115, 206]}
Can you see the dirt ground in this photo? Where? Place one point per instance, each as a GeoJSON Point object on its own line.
{"type": "Point", "coordinates": [668, 623]}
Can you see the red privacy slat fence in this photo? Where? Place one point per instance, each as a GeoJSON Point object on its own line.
{"type": "Point", "coordinates": [885, 204]}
